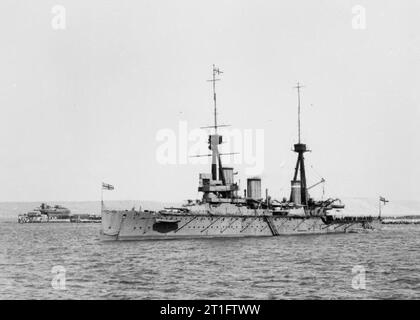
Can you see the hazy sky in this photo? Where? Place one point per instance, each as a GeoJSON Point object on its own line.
{"type": "Point", "coordinates": [83, 105]}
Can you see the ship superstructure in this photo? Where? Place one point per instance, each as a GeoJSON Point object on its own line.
{"type": "Point", "coordinates": [224, 212]}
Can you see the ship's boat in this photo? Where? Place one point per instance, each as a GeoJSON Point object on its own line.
{"type": "Point", "coordinates": [85, 218]}
{"type": "Point", "coordinates": [224, 212]}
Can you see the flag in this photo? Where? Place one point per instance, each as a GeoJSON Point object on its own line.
{"type": "Point", "coordinates": [382, 199]}
{"type": "Point", "coordinates": [106, 186]}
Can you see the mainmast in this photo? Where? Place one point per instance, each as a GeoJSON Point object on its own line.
{"type": "Point", "coordinates": [299, 193]}
{"type": "Point", "coordinates": [298, 90]}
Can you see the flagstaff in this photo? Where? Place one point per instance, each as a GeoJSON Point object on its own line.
{"type": "Point", "coordinates": [383, 201]}
{"type": "Point", "coordinates": [105, 186]}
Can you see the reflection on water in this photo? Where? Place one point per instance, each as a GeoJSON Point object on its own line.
{"type": "Point", "coordinates": [305, 267]}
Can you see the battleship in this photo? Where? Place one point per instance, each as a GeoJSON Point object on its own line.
{"type": "Point", "coordinates": [223, 211]}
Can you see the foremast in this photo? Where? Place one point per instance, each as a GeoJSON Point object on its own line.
{"type": "Point", "coordinates": [215, 139]}
{"type": "Point", "coordinates": [219, 185]}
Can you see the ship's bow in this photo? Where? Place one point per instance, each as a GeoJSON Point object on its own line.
{"type": "Point", "coordinates": [111, 224]}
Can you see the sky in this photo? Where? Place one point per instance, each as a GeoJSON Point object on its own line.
{"type": "Point", "coordinates": [86, 103]}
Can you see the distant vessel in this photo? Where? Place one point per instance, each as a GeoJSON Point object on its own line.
{"type": "Point", "coordinates": [47, 213]}
{"type": "Point", "coordinates": [402, 220]}
{"type": "Point", "coordinates": [222, 212]}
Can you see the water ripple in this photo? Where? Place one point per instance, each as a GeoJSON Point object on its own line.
{"type": "Point", "coordinates": [304, 267]}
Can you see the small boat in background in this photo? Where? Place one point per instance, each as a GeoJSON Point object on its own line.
{"type": "Point", "coordinates": [401, 220]}
{"type": "Point", "coordinates": [55, 214]}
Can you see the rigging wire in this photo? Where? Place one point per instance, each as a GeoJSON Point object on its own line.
{"type": "Point", "coordinates": [323, 184]}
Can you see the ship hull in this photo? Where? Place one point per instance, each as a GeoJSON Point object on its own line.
{"type": "Point", "coordinates": [134, 225]}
